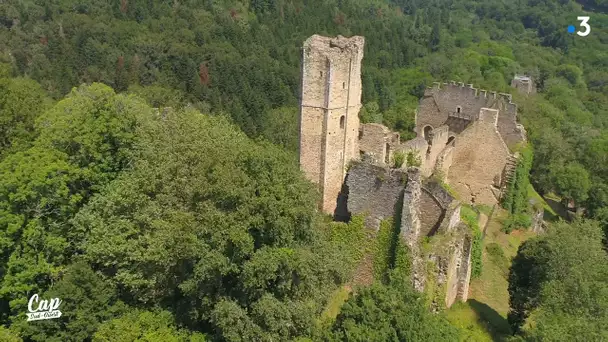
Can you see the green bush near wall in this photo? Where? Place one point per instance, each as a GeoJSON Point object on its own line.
{"type": "Point", "coordinates": [469, 217]}
{"type": "Point", "coordinates": [516, 200]}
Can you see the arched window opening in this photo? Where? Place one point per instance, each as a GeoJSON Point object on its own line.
{"type": "Point", "coordinates": [458, 109]}
{"type": "Point", "coordinates": [387, 155]}
{"type": "Point", "coordinates": [427, 132]}
{"type": "Point", "coordinates": [342, 119]}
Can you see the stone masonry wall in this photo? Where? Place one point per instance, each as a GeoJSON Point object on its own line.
{"type": "Point", "coordinates": [374, 139]}
{"type": "Point", "coordinates": [431, 214]}
{"type": "Point", "coordinates": [457, 104]}
{"type": "Point", "coordinates": [375, 191]}
{"type": "Point", "coordinates": [480, 155]}
{"type": "Point", "coordinates": [439, 211]}
{"type": "Point", "coordinates": [438, 141]}
{"type": "Point", "coordinates": [464, 269]}
{"type": "Point", "coordinates": [418, 145]}
{"type": "Point", "coordinates": [429, 114]}
{"type": "Point", "coordinates": [410, 226]}
{"type": "Point", "coordinates": [444, 161]}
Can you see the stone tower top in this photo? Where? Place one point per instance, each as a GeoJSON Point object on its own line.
{"type": "Point", "coordinates": [335, 45]}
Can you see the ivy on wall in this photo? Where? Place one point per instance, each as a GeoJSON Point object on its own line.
{"type": "Point", "coordinates": [349, 238]}
{"type": "Point", "coordinates": [390, 254]}
{"type": "Point", "coordinates": [515, 199]}
{"type": "Point", "coordinates": [469, 217]}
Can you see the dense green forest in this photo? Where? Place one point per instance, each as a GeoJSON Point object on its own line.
{"type": "Point", "coordinates": [194, 223]}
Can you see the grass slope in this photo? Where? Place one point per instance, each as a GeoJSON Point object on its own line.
{"type": "Point", "coordinates": [483, 316]}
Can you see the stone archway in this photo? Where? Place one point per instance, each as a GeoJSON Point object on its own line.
{"type": "Point", "coordinates": [426, 131]}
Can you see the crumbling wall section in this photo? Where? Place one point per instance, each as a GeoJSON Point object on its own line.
{"type": "Point", "coordinates": [437, 143]}
{"type": "Point", "coordinates": [439, 210]}
{"type": "Point", "coordinates": [444, 162]}
{"type": "Point", "coordinates": [524, 84]}
{"type": "Point", "coordinates": [508, 128]}
{"type": "Point", "coordinates": [538, 224]}
{"type": "Point", "coordinates": [464, 268]}
{"type": "Point", "coordinates": [410, 226]}
{"type": "Point", "coordinates": [378, 142]}
{"type": "Point", "coordinates": [431, 214]}
{"type": "Point", "coordinates": [374, 191]}
{"type": "Point", "coordinates": [449, 267]}
{"type": "Point", "coordinates": [419, 146]}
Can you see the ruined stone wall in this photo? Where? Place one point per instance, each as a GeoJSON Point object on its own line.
{"type": "Point", "coordinates": [431, 214]}
{"type": "Point", "coordinates": [418, 145]}
{"type": "Point", "coordinates": [438, 142]}
{"type": "Point", "coordinates": [376, 140]}
{"type": "Point", "coordinates": [537, 221]}
{"type": "Point", "coordinates": [479, 156]}
{"type": "Point", "coordinates": [459, 274]}
{"type": "Point", "coordinates": [330, 103]}
{"type": "Point", "coordinates": [444, 161]}
{"type": "Point", "coordinates": [381, 193]}
{"type": "Point", "coordinates": [507, 121]}
{"type": "Point", "coordinates": [464, 269]}
{"type": "Point", "coordinates": [524, 84]}
{"type": "Point", "coordinates": [439, 211]}
{"type": "Point", "coordinates": [449, 267]}
{"type": "Point", "coordinates": [375, 191]}
{"type": "Point", "coordinates": [429, 114]}
{"type": "Point", "coordinates": [410, 226]}
{"type": "Point", "coordinates": [457, 105]}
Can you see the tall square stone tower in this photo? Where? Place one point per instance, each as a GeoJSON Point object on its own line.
{"type": "Point", "coordinates": [329, 111]}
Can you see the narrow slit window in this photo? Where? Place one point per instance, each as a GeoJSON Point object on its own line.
{"type": "Point", "coordinates": [343, 85]}
{"type": "Point", "coordinates": [321, 73]}
{"type": "Point", "coordinates": [387, 154]}
{"type": "Point", "coordinates": [342, 119]}
{"type": "Point", "coordinates": [458, 109]}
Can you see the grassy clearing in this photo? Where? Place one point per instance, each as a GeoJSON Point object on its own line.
{"type": "Point", "coordinates": [485, 209]}
{"type": "Point", "coordinates": [472, 325]}
{"type": "Point", "coordinates": [338, 298]}
{"type": "Point", "coordinates": [483, 316]}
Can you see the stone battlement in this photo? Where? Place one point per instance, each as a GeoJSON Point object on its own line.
{"type": "Point", "coordinates": [469, 89]}
{"type": "Point", "coordinates": [458, 105]}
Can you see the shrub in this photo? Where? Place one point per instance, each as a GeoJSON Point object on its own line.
{"type": "Point", "coordinates": [516, 221]}
{"type": "Point", "coordinates": [413, 159]}
{"type": "Point", "coordinates": [398, 159]}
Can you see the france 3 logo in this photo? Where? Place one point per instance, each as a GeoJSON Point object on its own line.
{"type": "Point", "coordinates": [584, 24]}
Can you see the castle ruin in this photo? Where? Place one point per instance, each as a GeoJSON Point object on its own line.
{"type": "Point", "coordinates": [524, 84]}
{"type": "Point", "coordinates": [463, 139]}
